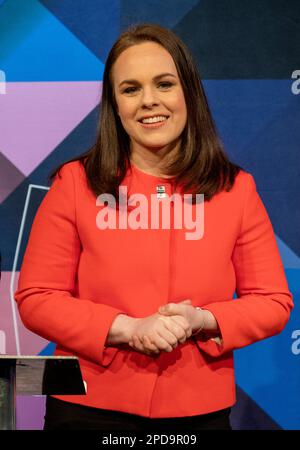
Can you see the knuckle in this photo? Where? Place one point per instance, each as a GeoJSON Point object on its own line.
{"type": "Point", "coordinates": [185, 323]}
{"type": "Point", "coordinates": [173, 341]}
{"type": "Point", "coordinates": [180, 332]}
{"type": "Point", "coordinates": [162, 319]}
{"type": "Point", "coordinates": [165, 346]}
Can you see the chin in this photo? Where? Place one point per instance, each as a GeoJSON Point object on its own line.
{"type": "Point", "coordinates": [157, 143]}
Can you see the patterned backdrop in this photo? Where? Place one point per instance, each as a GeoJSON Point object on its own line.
{"type": "Point", "coordinates": [52, 55]}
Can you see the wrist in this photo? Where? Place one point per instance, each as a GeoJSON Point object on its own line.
{"type": "Point", "coordinates": [206, 322]}
{"type": "Point", "coordinates": [200, 322]}
{"type": "Point", "coordinates": [121, 330]}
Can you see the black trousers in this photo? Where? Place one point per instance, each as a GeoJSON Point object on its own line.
{"type": "Point", "coordinates": [61, 415]}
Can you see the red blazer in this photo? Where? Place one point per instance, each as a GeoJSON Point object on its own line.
{"type": "Point", "coordinates": [75, 278]}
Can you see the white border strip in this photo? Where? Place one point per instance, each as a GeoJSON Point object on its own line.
{"type": "Point", "coordinates": [12, 280]}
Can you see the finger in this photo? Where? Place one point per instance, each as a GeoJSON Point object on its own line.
{"type": "Point", "coordinates": [161, 343]}
{"type": "Point", "coordinates": [177, 331]}
{"type": "Point", "coordinates": [165, 340]}
{"type": "Point", "coordinates": [170, 309]}
{"type": "Point", "coordinates": [169, 305]}
{"type": "Point", "coordinates": [138, 345]}
{"type": "Point", "coordinates": [180, 327]}
{"type": "Point", "coordinates": [181, 321]}
{"type": "Point", "coordinates": [148, 344]}
{"type": "Point", "coordinates": [189, 333]}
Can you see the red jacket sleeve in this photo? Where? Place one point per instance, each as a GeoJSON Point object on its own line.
{"type": "Point", "coordinates": [264, 302]}
{"type": "Point", "coordinates": [47, 283]}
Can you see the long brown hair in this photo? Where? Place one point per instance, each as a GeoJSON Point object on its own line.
{"type": "Point", "coordinates": [200, 166]}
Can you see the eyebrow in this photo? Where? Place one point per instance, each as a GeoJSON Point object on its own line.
{"type": "Point", "coordinates": [157, 77]}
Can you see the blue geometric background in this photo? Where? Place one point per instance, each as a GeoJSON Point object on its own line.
{"type": "Point", "coordinates": [246, 54]}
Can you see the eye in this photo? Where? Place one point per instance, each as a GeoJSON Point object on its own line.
{"type": "Point", "coordinates": [129, 90]}
{"type": "Point", "coordinates": [165, 84]}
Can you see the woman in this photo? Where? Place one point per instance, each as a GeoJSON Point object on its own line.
{"type": "Point", "coordinates": [149, 311]}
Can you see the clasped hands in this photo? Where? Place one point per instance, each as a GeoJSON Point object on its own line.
{"type": "Point", "coordinates": [173, 324]}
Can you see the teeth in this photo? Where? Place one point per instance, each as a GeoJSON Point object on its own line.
{"type": "Point", "coordinates": [154, 119]}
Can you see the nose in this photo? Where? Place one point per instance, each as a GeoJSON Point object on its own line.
{"type": "Point", "coordinates": [149, 97]}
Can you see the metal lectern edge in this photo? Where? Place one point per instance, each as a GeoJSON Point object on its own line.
{"type": "Point", "coordinates": [30, 374]}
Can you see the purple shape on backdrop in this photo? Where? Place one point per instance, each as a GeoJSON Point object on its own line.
{"type": "Point", "coordinates": [30, 412]}
{"type": "Point", "coordinates": [6, 320]}
{"type": "Point", "coordinates": [30, 343]}
{"type": "Point", "coordinates": [10, 177]}
{"type": "Point", "coordinates": [37, 117]}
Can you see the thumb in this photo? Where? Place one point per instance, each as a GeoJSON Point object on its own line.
{"type": "Point", "coordinates": [169, 309]}
{"type": "Point", "coordinates": [187, 301]}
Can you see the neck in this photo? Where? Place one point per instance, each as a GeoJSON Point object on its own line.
{"type": "Point", "coordinates": [152, 161]}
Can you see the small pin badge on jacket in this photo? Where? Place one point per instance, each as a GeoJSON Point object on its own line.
{"type": "Point", "coordinates": [160, 191]}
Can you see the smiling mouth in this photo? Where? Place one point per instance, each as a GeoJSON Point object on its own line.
{"type": "Point", "coordinates": [154, 119]}
{"type": "Point", "coordinates": [154, 124]}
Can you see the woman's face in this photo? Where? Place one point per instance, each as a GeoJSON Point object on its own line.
{"type": "Point", "coordinates": [147, 89]}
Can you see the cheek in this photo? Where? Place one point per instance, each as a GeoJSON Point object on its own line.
{"type": "Point", "coordinates": [124, 116]}
{"type": "Point", "coordinates": [178, 104]}
{"type": "Point", "coordinates": [126, 113]}
{"type": "Point", "coordinates": [123, 111]}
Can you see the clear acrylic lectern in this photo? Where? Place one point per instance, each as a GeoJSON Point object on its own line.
{"type": "Point", "coordinates": [35, 375]}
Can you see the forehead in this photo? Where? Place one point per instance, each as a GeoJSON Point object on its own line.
{"type": "Point", "coordinates": [146, 59]}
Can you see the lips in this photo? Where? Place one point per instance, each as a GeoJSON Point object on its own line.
{"type": "Point", "coordinates": [152, 117]}
{"type": "Point", "coordinates": [154, 124]}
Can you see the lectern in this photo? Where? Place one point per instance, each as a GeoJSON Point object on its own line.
{"type": "Point", "coordinates": [60, 375]}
